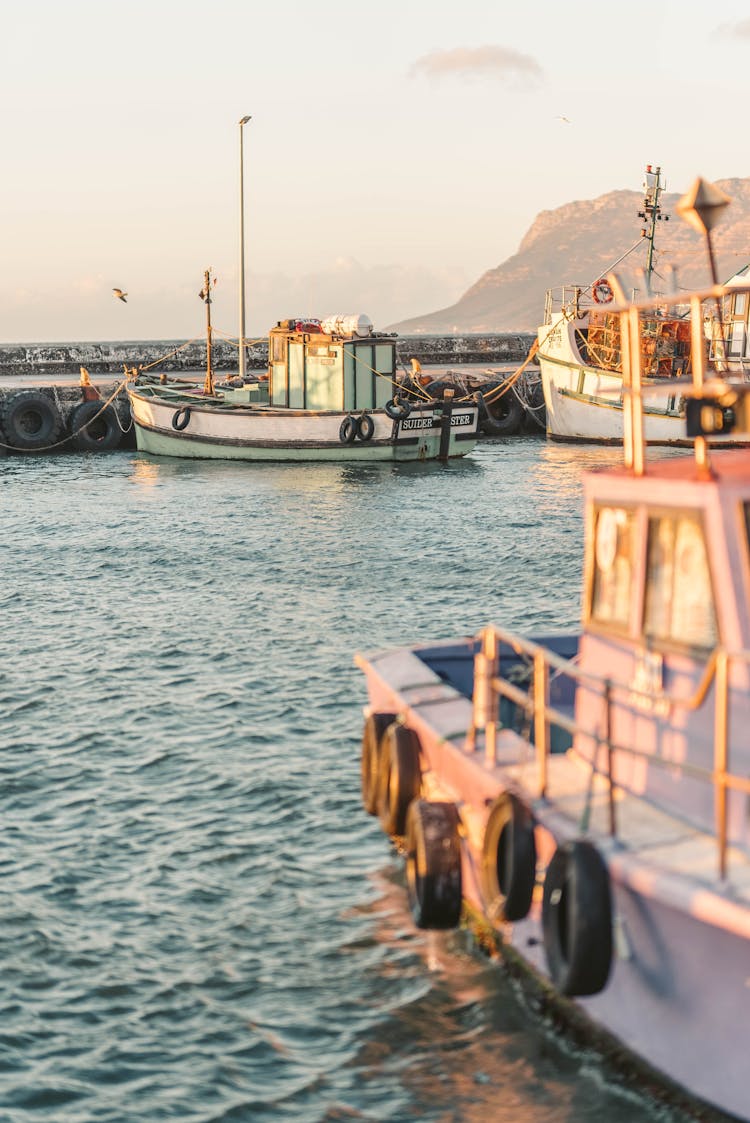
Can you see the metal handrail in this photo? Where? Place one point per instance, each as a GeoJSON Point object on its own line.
{"type": "Point", "coordinates": [489, 686]}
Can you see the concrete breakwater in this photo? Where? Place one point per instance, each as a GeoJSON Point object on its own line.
{"type": "Point", "coordinates": [110, 358]}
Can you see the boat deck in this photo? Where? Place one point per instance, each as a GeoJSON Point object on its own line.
{"type": "Point", "coordinates": [654, 849]}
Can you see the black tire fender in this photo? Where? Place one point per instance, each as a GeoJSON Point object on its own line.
{"type": "Point", "coordinates": [433, 864]}
{"type": "Point", "coordinates": [95, 427]}
{"type": "Point", "coordinates": [31, 420]}
{"type": "Point", "coordinates": [437, 389]}
{"type": "Point", "coordinates": [399, 777]}
{"type": "Point", "coordinates": [181, 418]}
{"type": "Point", "coordinates": [577, 919]}
{"type": "Point", "coordinates": [372, 735]}
{"type": "Point", "coordinates": [502, 415]}
{"type": "Point", "coordinates": [365, 427]}
{"type": "Point", "coordinates": [508, 859]}
{"type": "Point", "coordinates": [348, 430]}
{"type": "Point", "coordinates": [397, 408]}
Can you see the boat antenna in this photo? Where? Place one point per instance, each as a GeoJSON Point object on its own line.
{"type": "Point", "coordinates": [205, 295]}
{"type": "Point", "coordinates": [651, 214]}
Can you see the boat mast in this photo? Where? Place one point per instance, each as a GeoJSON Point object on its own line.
{"type": "Point", "coordinates": [651, 214]}
{"type": "Point", "coordinates": [241, 340]}
{"type": "Point", "coordinates": [205, 295]}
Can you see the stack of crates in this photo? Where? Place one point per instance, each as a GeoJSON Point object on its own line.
{"type": "Point", "coordinates": [665, 344]}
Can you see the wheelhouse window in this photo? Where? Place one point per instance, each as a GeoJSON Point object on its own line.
{"type": "Point", "coordinates": [614, 561]}
{"type": "Point", "coordinates": [679, 596]}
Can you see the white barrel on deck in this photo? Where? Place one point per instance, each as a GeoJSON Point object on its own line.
{"type": "Point", "coordinates": [353, 323]}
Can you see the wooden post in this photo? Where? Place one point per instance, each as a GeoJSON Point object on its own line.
{"type": "Point", "coordinates": [208, 385]}
{"type": "Point", "coordinates": [541, 724]}
{"type": "Point", "coordinates": [635, 391]}
{"type": "Point", "coordinates": [627, 385]}
{"type": "Point", "coordinates": [445, 425]}
{"type": "Point", "coordinates": [721, 737]}
{"type": "Point", "coordinates": [698, 349]}
{"type": "Point", "coordinates": [491, 669]}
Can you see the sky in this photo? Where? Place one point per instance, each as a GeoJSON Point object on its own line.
{"type": "Point", "coordinates": [397, 149]}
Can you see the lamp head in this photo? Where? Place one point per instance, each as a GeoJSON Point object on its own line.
{"type": "Point", "coordinates": [244, 120]}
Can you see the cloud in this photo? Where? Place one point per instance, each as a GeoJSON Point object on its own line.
{"type": "Point", "coordinates": [739, 30]}
{"type": "Point", "coordinates": [501, 64]}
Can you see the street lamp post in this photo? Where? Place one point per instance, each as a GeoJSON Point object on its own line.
{"type": "Point", "coordinates": [241, 341]}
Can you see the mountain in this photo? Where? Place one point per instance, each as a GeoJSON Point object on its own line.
{"type": "Point", "coordinates": [578, 242]}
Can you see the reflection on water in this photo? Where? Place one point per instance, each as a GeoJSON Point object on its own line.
{"type": "Point", "coordinates": [467, 1047]}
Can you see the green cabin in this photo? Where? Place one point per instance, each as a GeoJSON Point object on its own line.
{"type": "Point", "coordinates": [312, 369]}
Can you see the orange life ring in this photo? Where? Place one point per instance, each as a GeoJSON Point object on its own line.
{"type": "Point", "coordinates": [601, 291]}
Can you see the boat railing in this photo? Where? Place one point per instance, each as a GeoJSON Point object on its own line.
{"type": "Point", "coordinates": [707, 383]}
{"type": "Point", "coordinates": [576, 300]}
{"type": "Point", "coordinates": [570, 299]}
{"type": "Point", "coordinates": [490, 687]}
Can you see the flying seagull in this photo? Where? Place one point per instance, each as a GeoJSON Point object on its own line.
{"type": "Point", "coordinates": [565, 119]}
{"type": "Point", "coordinates": [120, 295]}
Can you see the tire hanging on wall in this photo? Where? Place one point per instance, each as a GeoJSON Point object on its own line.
{"type": "Point", "coordinates": [31, 421]}
{"type": "Point", "coordinates": [508, 859]}
{"type": "Point", "coordinates": [399, 777]}
{"type": "Point", "coordinates": [95, 427]}
{"type": "Point", "coordinates": [433, 864]}
{"type": "Point", "coordinates": [577, 919]}
{"type": "Point", "coordinates": [372, 736]}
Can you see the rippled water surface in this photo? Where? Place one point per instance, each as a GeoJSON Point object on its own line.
{"type": "Point", "coordinates": [198, 922]}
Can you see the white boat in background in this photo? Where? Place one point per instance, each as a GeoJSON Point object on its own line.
{"type": "Point", "coordinates": [581, 353]}
{"type": "Point", "coordinates": [330, 394]}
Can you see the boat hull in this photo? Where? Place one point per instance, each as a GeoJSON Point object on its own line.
{"type": "Point", "coordinates": [678, 992]}
{"type": "Point", "coordinates": [266, 434]}
{"type": "Point", "coordinates": [584, 404]}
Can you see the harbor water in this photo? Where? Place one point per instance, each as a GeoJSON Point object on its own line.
{"type": "Point", "coordinates": [198, 921]}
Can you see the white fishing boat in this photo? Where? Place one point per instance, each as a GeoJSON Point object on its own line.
{"type": "Point", "coordinates": [330, 394]}
{"type": "Point", "coordinates": [581, 352]}
{"type": "Point", "coordinates": [583, 803]}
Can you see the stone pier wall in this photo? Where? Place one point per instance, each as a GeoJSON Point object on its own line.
{"type": "Point", "coordinates": [41, 359]}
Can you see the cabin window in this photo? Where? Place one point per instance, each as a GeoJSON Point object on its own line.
{"type": "Point", "coordinates": [296, 376]}
{"type": "Point", "coordinates": [350, 401]}
{"type": "Point", "coordinates": [679, 596]}
{"type": "Point", "coordinates": [614, 563]}
{"type": "Point", "coordinates": [385, 354]}
{"type": "Point", "coordinates": [363, 376]}
{"type": "Point", "coordinates": [325, 381]}
{"type": "Point", "coordinates": [277, 348]}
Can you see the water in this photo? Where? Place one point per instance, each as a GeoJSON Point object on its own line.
{"type": "Point", "coordinates": [198, 922]}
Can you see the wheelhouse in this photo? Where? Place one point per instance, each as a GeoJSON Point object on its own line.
{"type": "Point", "coordinates": [313, 369]}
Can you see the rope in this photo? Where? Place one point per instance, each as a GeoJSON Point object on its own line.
{"type": "Point", "coordinates": [235, 342]}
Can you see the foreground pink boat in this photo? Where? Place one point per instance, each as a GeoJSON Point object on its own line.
{"type": "Point", "coordinates": [583, 802]}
